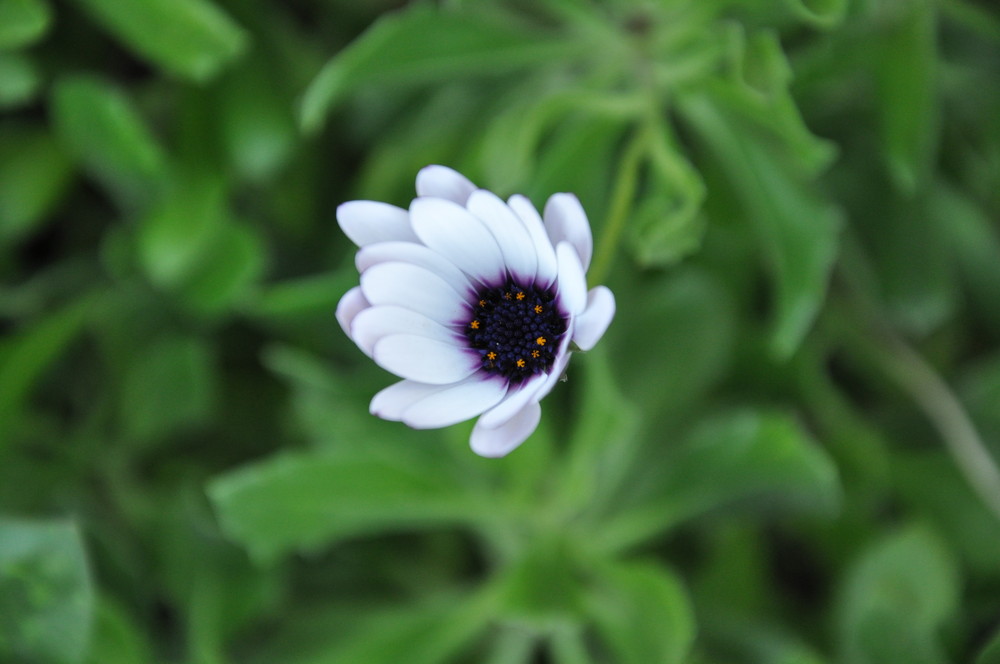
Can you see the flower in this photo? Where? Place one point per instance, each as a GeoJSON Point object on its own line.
{"type": "Point", "coordinates": [473, 302]}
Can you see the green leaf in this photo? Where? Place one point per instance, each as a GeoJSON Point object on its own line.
{"type": "Point", "coordinates": [906, 73]}
{"type": "Point", "coordinates": [642, 613]}
{"type": "Point", "coordinates": [798, 231]}
{"type": "Point", "coordinates": [193, 39]}
{"type": "Point", "coordinates": [24, 357]}
{"type": "Point", "coordinates": [422, 45]}
{"type": "Point", "coordinates": [23, 22]}
{"type": "Point", "coordinates": [896, 597]}
{"type": "Point", "coordinates": [34, 174]}
{"type": "Point", "coordinates": [46, 601]}
{"type": "Point", "coordinates": [99, 125]}
{"type": "Point", "coordinates": [668, 225]}
{"type": "Point", "coordinates": [232, 265]}
{"type": "Point", "coordinates": [823, 14]}
{"type": "Point", "coordinates": [308, 501]}
{"type": "Point", "coordinates": [167, 387]}
{"type": "Point", "coordinates": [734, 458]}
{"type": "Point", "coordinates": [991, 653]}
{"type": "Point", "coordinates": [116, 638]}
{"type": "Point", "coordinates": [540, 588]}
{"type": "Point", "coordinates": [20, 80]}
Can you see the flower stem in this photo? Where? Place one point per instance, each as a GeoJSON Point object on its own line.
{"type": "Point", "coordinates": [622, 198]}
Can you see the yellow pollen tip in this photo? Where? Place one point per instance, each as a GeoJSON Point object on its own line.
{"type": "Point", "coordinates": [474, 325]}
{"type": "Point", "coordinates": [520, 364]}
{"type": "Point", "coordinates": [540, 341]}
{"type": "Point", "coordinates": [506, 296]}
{"type": "Point", "coordinates": [520, 296]}
{"type": "Point", "coordinates": [538, 308]}
{"type": "Point", "coordinates": [535, 353]}
{"type": "Point", "coordinates": [491, 355]}
{"type": "Point", "coordinates": [482, 303]}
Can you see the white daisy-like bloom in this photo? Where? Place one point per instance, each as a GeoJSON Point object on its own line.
{"type": "Point", "coordinates": [473, 302]}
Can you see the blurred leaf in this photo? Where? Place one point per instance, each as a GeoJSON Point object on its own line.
{"type": "Point", "coordinates": [991, 653]}
{"type": "Point", "coordinates": [257, 121]}
{"type": "Point", "coordinates": [975, 241]}
{"type": "Point", "coordinates": [23, 22]}
{"type": "Point", "coordinates": [430, 632]}
{"type": "Point", "coordinates": [642, 614]}
{"type": "Point", "coordinates": [541, 588]}
{"type": "Point", "coordinates": [668, 225]}
{"type": "Point", "coordinates": [308, 501]}
{"type": "Point", "coordinates": [99, 125]}
{"type": "Point", "coordinates": [192, 39]}
{"type": "Point", "coordinates": [116, 638]}
{"type": "Point", "coordinates": [233, 263]}
{"type": "Point", "coordinates": [34, 173]}
{"type": "Point", "coordinates": [906, 74]}
{"type": "Point", "coordinates": [19, 80]}
{"type": "Point", "coordinates": [930, 481]}
{"type": "Point", "coordinates": [798, 231]}
{"type": "Point", "coordinates": [46, 601]}
{"type": "Point", "coordinates": [167, 387]}
{"type": "Point", "coordinates": [733, 457]}
{"type": "Point", "coordinates": [823, 14]}
{"type": "Point", "coordinates": [421, 45]}
{"type": "Point", "coordinates": [676, 342]}
{"type": "Point", "coordinates": [316, 295]}
{"type": "Point", "coordinates": [896, 598]}
{"type": "Point", "coordinates": [24, 356]}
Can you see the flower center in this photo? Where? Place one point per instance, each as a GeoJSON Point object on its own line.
{"type": "Point", "coordinates": [516, 330]}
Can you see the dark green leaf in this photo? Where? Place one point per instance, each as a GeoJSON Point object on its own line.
{"type": "Point", "coordinates": [34, 173]}
{"type": "Point", "coordinates": [46, 601]}
{"type": "Point", "coordinates": [991, 653]}
{"type": "Point", "coordinates": [193, 39]}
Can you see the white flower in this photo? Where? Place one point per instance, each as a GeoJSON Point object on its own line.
{"type": "Point", "coordinates": [473, 302]}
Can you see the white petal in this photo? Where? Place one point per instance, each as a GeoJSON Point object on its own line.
{"type": "Point", "coordinates": [509, 231]}
{"type": "Point", "coordinates": [424, 359]}
{"type": "Point", "coordinates": [566, 221]}
{"type": "Point", "coordinates": [443, 182]}
{"type": "Point", "coordinates": [455, 403]}
{"type": "Point", "coordinates": [502, 440]}
{"type": "Point", "coordinates": [414, 288]}
{"type": "Point", "coordinates": [555, 373]}
{"type": "Point", "coordinates": [513, 403]}
{"type": "Point", "coordinates": [350, 306]}
{"type": "Point", "coordinates": [544, 251]}
{"type": "Point", "coordinates": [572, 281]}
{"type": "Point", "coordinates": [392, 402]}
{"type": "Point", "coordinates": [417, 254]}
{"type": "Point", "coordinates": [365, 222]}
{"type": "Point", "coordinates": [592, 323]}
{"type": "Point", "coordinates": [459, 236]}
{"type": "Point", "coordinates": [376, 322]}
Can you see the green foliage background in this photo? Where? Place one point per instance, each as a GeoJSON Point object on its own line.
{"type": "Point", "coordinates": [784, 451]}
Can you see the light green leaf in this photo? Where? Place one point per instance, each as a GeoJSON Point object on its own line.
{"type": "Point", "coordinates": [906, 73]}
{"type": "Point", "coordinates": [167, 387]}
{"type": "Point", "coordinates": [896, 598]}
{"type": "Point", "coordinates": [308, 501]}
{"type": "Point", "coordinates": [798, 231]}
{"type": "Point", "coordinates": [232, 265]}
{"type": "Point", "coordinates": [744, 456]}
{"type": "Point", "coordinates": [824, 14]}
{"type": "Point", "coordinates": [46, 601]}
{"type": "Point", "coordinates": [99, 125]}
{"type": "Point", "coordinates": [193, 39]}
{"type": "Point", "coordinates": [34, 174]}
{"type": "Point", "coordinates": [19, 80]}
{"type": "Point", "coordinates": [23, 22]}
{"type": "Point", "coordinates": [420, 45]}
{"type": "Point", "coordinates": [642, 613]}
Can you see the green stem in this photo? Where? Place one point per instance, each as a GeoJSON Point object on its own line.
{"type": "Point", "coordinates": [622, 198]}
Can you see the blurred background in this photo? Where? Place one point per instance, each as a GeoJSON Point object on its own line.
{"type": "Point", "coordinates": [784, 450]}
